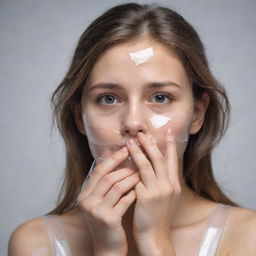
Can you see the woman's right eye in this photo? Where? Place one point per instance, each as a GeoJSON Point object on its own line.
{"type": "Point", "coordinates": [106, 99]}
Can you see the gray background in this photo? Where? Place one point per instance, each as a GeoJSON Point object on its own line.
{"type": "Point", "coordinates": [37, 42]}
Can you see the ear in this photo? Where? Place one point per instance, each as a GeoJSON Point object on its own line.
{"type": "Point", "coordinates": [200, 108]}
{"type": "Point", "coordinates": [78, 120]}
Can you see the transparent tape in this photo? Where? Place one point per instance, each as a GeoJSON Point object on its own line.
{"type": "Point", "coordinates": [107, 133]}
{"type": "Point", "coordinates": [212, 236]}
{"type": "Point", "coordinates": [58, 239]}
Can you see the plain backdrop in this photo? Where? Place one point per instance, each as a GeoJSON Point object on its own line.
{"type": "Point", "coordinates": [37, 42]}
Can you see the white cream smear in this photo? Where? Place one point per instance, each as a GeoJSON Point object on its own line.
{"type": "Point", "coordinates": [211, 242]}
{"type": "Point", "coordinates": [141, 56]}
{"type": "Point", "coordinates": [158, 121]}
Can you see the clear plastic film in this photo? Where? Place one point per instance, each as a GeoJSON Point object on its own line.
{"type": "Point", "coordinates": [212, 236]}
{"type": "Point", "coordinates": [108, 127]}
{"type": "Point", "coordinates": [106, 134]}
{"type": "Point", "coordinates": [59, 242]}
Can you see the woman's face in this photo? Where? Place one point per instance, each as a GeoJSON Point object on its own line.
{"type": "Point", "coordinates": [124, 97]}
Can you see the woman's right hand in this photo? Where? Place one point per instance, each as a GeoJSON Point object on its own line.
{"type": "Point", "coordinates": [104, 204]}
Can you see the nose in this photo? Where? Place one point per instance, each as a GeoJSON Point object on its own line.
{"type": "Point", "coordinates": [133, 121]}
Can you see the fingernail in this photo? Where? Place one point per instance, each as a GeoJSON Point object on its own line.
{"type": "Point", "coordinates": [140, 134]}
{"type": "Point", "coordinates": [124, 150]}
{"type": "Point", "coordinates": [131, 142]}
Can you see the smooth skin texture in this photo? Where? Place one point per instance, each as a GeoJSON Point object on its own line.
{"type": "Point", "coordinates": [156, 182]}
{"type": "Point", "coordinates": [115, 67]}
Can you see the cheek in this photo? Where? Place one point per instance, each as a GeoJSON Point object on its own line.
{"type": "Point", "coordinates": [179, 124]}
{"type": "Point", "coordinates": [102, 134]}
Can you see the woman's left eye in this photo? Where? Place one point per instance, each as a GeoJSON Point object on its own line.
{"type": "Point", "coordinates": [160, 98]}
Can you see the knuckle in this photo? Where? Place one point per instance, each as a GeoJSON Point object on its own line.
{"type": "Point", "coordinates": [158, 157]}
{"type": "Point", "coordinates": [145, 165]}
{"type": "Point", "coordinates": [81, 201]}
{"type": "Point", "coordinates": [136, 177]}
{"type": "Point", "coordinates": [108, 179]}
{"type": "Point", "coordinates": [178, 189]}
{"type": "Point", "coordinates": [118, 188]}
{"type": "Point", "coordinates": [128, 170]}
{"type": "Point", "coordinates": [94, 211]}
{"type": "Point", "coordinates": [126, 200]}
{"type": "Point", "coordinates": [115, 157]}
{"type": "Point", "coordinates": [85, 206]}
{"type": "Point", "coordinates": [168, 191]}
{"type": "Point", "coordinates": [79, 198]}
{"type": "Point", "coordinates": [97, 170]}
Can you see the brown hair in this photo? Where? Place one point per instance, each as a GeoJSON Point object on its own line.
{"type": "Point", "coordinates": [120, 24]}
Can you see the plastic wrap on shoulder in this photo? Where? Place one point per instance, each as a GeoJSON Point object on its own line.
{"type": "Point", "coordinates": [58, 239]}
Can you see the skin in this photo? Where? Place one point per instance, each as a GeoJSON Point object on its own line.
{"type": "Point", "coordinates": [155, 177]}
{"type": "Point", "coordinates": [160, 183]}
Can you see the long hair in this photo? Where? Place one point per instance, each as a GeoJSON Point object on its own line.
{"type": "Point", "coordinates": [121, 24]}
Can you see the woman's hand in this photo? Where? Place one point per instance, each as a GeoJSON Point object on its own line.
{"type": "Point", "coordinates": [156, 195]}
{"type": "Point", "coordinates": [103, 203]}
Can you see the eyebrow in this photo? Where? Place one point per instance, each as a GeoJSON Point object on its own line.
{"type": "Point", "coordinates": [152, 85]}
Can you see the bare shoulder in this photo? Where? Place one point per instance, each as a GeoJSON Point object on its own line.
{"type": "Point", "coordinates": [242, 219]}
{"type": "Point", "coordinates": [240, 234]}
{"type": "Point", "coordinates": [29, 237]}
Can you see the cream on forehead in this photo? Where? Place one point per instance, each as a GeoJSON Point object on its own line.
{"type": "Point", "coordinates": [141, 56]}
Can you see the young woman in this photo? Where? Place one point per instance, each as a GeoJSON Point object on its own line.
{"type": "Point", "coordinates": [139, 109]}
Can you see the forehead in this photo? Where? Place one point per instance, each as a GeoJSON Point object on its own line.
{"type": "Point", "coordinates": [116, 65]}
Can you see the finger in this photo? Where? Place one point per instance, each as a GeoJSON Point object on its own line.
{"type": "Point", "coordinates": [156, 157]}
{"type": "Point", "coordinates": [144, 166]}
{"type": "Point", "coordinates": [119, 189]}
{"type": "Point", "coordinates": [172, 159]}
{"type": "Point", "coordinates": [106, 182]}
{"type": "Point", "coordinates": [103, 168]}
{"type": "Point", "coordinates": [123, 204]}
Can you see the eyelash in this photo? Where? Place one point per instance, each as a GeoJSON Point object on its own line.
{"type": "Point", "coordinates": [101, 96]}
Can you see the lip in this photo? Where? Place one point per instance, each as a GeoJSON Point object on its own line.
{"type": "Point", "coordinates": [119, 146]}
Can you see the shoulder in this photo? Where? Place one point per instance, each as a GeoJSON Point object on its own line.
{"type": "Point", "coordinates": [28, 237]}
{"type": "Point", "coordinates": [241, 231]}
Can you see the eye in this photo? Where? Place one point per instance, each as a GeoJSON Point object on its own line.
{"type": "Point", "coordinates": [160, 98]}
{"type": "Point", "coordinates": [106, 99]}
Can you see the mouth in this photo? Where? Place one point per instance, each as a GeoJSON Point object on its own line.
{"type": "Point", "coordinates": [116, 147]}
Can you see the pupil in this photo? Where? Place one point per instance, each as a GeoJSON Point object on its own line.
{"type": "Point", "coordinates": [160, 97]}
{"type": "Point", "coordinates": [109, 99]}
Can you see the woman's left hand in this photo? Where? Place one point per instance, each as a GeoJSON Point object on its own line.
{"type": "Point", "coordinates": [156, 195]}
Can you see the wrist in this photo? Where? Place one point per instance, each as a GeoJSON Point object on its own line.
{"type": "Point", "coordinates": [156, 245]}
